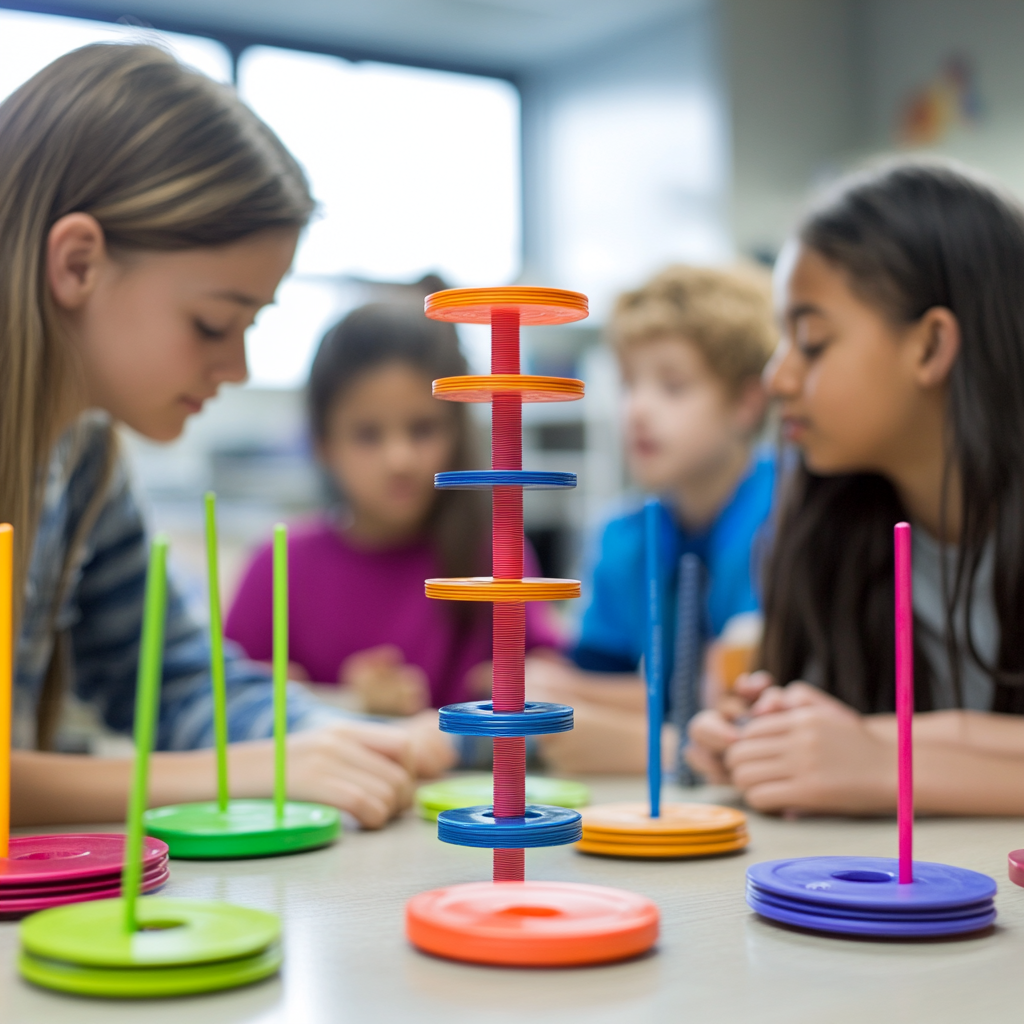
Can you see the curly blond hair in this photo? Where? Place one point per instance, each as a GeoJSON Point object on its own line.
{"type": "Point", "coordinates": [725, 313]}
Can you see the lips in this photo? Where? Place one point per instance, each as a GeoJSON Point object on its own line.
{"type": "Point", "coordinates": [643, 447]}
{"type": "Point", "coordinates": [794, 428]}
{"type": "Point", "coordinates": [194, 405]}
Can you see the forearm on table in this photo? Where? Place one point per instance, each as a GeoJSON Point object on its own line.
{"type": "Point", "coordinates": [960, 780]}
{"type": "Point", "coordinates": [51, 789]}
{"type": "Point", "coordinates": [979, 731]}
{"type": "Point", "coordinates": [965, 762]}
{"type": "Point", "coordinates": [625, 691]}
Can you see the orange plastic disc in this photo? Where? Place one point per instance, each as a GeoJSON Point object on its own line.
{"type": "Point", "coordinates": [698, 839]}
{"type": "Point", "coordinates": [535, 305]}
{"type": "Point", "coordinates": [675, 820]}
{"type": "Point", "coordinates": [483, 388]}
{"type": "Point", "coordinates": [662, 851]}
{"type": "Point", "coordinates": [486, 588]}
{"type": "Point", "coordinates": [531, 924]}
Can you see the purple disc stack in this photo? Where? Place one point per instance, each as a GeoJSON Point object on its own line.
{"type": "Point", "coordinates": [861, 896]}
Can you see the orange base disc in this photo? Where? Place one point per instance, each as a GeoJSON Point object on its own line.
{"type": "Point", "coordinates": [531, 924]}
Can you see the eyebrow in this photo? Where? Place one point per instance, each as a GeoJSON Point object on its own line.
{"type": "Point", "coordinates": [805, 309]}
{"type": "Point", "coordinates": [240, 297]}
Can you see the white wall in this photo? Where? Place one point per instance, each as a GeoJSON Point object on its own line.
{"type": "Point", "coordinates": [906, 42]}
{"type": "Point", "coordinates": [817, 86]}
{"type": "Point", "coordinates": [793, 100]}
{"type": "Point", "coordinates": [626, 159]}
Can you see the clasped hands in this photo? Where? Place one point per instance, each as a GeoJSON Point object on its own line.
{"type": "Point", "coordinates": [794, 750]}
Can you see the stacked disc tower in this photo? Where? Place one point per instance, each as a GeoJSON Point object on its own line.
{"type": "Point", "coordinates": [555, 923]}
{"type": "Point", "coordinates": [507, 718]}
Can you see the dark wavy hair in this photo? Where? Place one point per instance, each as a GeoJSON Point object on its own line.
{"type": "Point", "coordinates": [910, 237]}
{"type": "Point", "coordinates": [381, 333]}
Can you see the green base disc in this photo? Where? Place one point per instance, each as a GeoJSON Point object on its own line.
{"type": "Point", "coordinates": [149, 982]}
{"type": "Point", "coordinates": [172, 933]}
{"type": "Point", "coordinates": [475, 790]}
{"type": "Point", "coordinates": [248, 828]}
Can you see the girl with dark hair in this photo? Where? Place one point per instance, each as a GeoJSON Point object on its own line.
{"type": "Point", "coordinates": [358, 614]}
{"type": "Point", "coordinates": [900, 378]}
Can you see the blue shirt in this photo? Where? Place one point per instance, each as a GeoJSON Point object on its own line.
{"type": "Point", "coordinates": [92, 525]}
{"type": "Point", "coordinates": [614, 624]}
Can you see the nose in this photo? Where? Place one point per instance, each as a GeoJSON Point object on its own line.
{"type": "Point", "coordinates": [783, 376]}
{"type": "Point", "coordinates": [231, 366]}
{"type": "Point", "coordinates": [400, 452]}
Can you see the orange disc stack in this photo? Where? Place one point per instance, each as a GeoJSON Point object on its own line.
{"type": "Point", "coordinates": [681, 830]}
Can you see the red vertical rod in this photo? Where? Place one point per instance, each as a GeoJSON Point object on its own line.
{"type": "Point", "coordinates": [509, 619]}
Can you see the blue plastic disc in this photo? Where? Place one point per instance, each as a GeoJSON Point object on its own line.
{"type": "Point", "coordinates": [485, 479]}
{"type": "Point", "coordinates": [973, 910]}
{"type": "Point", "coordinates": [478, 718]}
{"type": "Point", "coordinates": [861, 896]}
{"type": "Point", "coordinates": [909, 929]}
{"type": "Point", "coordinates": [861, 883]}
{"type": "Point", "coordinates": [541, 826]}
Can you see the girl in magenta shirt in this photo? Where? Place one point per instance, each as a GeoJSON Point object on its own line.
{"type": "Point", "coordinates": [358, 616]}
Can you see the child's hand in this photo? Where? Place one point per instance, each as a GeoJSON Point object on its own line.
{"type": "Point", "coordinates": [362, 768]}
{"type": "Point", "coordinates": [807, 752]}
{"type": "Point", "coordinates": [433, 751]}
{"type": "Point", "coordinates": [384, 683]}
{"type": "Point", "coordinates": [714, 730]}
{"type": "Point", "coordinates": [742, 697]}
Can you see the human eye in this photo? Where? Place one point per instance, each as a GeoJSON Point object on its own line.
{"type": "Point", "coordinates": [424, 429]}
{"type": "Point", "coordinates": [811, 338]}
{"type": "Point", "coordinates": [675, 386]}
{"type": "Point", "coordinates": [207, 331]}
{"type": "Point", "coordinates": [366, 433]}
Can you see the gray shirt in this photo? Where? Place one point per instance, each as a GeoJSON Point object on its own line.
{"type": "Point", "coordinates": [976, 686]}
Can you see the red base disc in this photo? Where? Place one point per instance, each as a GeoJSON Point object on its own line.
{"type": "Point", "coordinates": [531, 924]}
{"type": "Point", "coordinates": [1016, 865]}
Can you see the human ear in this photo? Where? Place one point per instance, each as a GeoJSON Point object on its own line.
{"type": "Point", "coordinates": [938, 344]}
{"type": "Point", "coordinates": [75, 250]}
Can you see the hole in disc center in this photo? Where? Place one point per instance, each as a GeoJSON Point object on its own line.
{"type": "Point", "coordinates": [863, 875]}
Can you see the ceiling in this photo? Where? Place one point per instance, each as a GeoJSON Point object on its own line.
{"type": "Point", "coordinates": [500, 36]}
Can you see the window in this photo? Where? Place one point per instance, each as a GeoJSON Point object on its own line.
{"type": "Point", "coordinates": [28, 42]}
{"type": "Point", "coordinates": [415, 170]}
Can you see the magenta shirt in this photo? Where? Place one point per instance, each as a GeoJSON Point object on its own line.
{"type": "Point", "coordinates": [343, 600]}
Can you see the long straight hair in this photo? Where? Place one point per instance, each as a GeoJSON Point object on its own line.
{"type": "Point", "coordinates": [164, 159]}
{"type": "Point", "coordinates": [376, 335]}
{"type": "Point", "coordinates": [910, 237]}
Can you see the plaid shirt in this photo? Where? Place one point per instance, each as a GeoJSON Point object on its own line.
{"type": "Point", "coordinates": [100, 612]}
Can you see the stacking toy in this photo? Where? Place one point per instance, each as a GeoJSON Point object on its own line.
{"type": "Point", "coordinates": [471, 790]}
{"type": "Point", "coordinates": [37, 872]}
{"type": "Point", "coordinates": [147, 946]}
{"type": "Point", "coordinates": [511, 921]}
{"type": "Point", "coordinates": [880, 897]}
{"type": "Point", "coordinates": [226, 828]}
{"type": "Point", "coordinates": [652, 830]}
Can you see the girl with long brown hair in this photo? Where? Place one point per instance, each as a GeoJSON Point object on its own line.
{"type": "Point", "coordinates": [900, 380]}
{"type": "Point", "coordinates": [145, 216]}
{"type": "Point", "coordinates": [358, 616]}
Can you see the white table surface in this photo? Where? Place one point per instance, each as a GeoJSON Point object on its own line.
{"type": "Point", "coordinates": [346, 958]}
